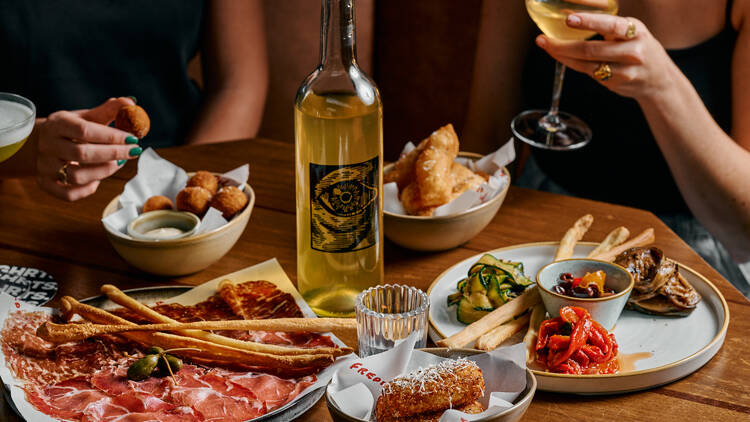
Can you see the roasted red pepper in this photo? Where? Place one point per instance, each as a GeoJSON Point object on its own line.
{"type": "Point", "coordinates": [573, 343]}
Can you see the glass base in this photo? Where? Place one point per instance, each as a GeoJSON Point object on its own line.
{"type": "Point", "coordinates": [567, 133]}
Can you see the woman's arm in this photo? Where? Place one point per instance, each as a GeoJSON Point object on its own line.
{"type": "Point", "coordinates": [235, 72]}
{"type": "Point", "coordinates": [711, 169]}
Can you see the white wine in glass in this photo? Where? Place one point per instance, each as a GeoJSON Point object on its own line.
{"type": "Point", "coordinates": [553, 129]}
{"type": "Point", "coordinates": [17, 116]}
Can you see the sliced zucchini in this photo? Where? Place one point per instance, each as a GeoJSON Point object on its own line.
{"type": "Point", "coordinates": [476, 284]}
{"type": "Point", "coordinates": [468, 313]}
{"type": "Point", "coordinates": [480, 300]}
{"type": "Point", "coordinates": [461, 284]}
{"type": "Point", "coordinates": [454, 298]}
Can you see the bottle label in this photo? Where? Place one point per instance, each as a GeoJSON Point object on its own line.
{"type": "Point", "coordinates": [344, 206]}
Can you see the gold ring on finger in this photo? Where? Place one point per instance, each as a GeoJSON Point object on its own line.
{"type": "Point", "coordinates": [630, 33]}
{"type": "Point", "coordinates": [603, 72]}
{"type": "Point", "coordinates": [62, 174]}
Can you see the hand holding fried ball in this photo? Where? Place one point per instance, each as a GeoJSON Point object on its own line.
{"type": "Point", "coordinates": [133, 119]}
{"type": "Point", "coordinates": [157, 202]}
{"type": "Point", "coordinates": [230, 200]}
{"type": "Point", "coordinates": [194, 199]}
{"type": "Point", "coordinates": [206, 180]}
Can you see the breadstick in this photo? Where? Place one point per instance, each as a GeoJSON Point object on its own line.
{"type": "Point", "coordinates": [500, 315]}
{"type": "Point", "coordinates": [63, 333]}
{"type": "Point", "coordinates": [117, 296]}
{"type": "Point", "coordinates": [572, 236]}
{"type": "Point", "coordinates": [206, 350]}
{"type": "Point", "coordinates": [501, 333]}
{"type": "Point", "coordinates": [537, 316]}
{"type": "Point", "coordinates": [614, 238]}
{"type": "Point", "coordinates": [643, 239]}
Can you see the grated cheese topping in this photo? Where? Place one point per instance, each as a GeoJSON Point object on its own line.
{"type": "Point", "coordinates": [416, 380]}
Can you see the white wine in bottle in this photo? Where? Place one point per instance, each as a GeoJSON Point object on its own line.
{"type": "Point", "coordinates": [338, 158]}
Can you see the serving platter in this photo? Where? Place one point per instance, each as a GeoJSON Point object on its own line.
{"type": "Point", "coordinates": [285, 413]}
{"type": "Point", "coordinates": [654, 350]}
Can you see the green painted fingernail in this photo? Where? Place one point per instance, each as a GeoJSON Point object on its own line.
{"type": "Point", "coordinates": [135, 100]}
{"type": "Point", "coordinates": [121, 162]}
{"type": "Point", "coordinates": [131, 140]}
{"type": "Point", "coordinates": [136, 151]}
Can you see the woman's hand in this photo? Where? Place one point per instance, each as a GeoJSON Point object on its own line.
{"type": "Point", "coordinates": [77, 149]}
{"type": "Point", "coordinates": [640, 66]}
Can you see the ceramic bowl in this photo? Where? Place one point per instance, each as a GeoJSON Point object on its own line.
{"type": "Point", "coordinates": [512, 414]}
{"type": "Point", "coordinates": [443, 232]}
{"type": "Point", "coordinates": [175, 257]}
{"type": "Point", "coordinates": [604, 310]}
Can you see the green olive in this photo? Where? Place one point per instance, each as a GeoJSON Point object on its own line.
{"type": "Point", "coordinates": [142, 368]}
{"type": "Point", "coordinates": [154, 350]}
{"type": "Point", "coordinates": [174, 363]}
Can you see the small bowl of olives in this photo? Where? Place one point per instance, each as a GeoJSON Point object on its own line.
{"type": "Point", "coordinates": [600, 287]}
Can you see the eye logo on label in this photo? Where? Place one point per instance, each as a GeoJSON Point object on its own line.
{"type": "Point", "coordinates": [343, 206]}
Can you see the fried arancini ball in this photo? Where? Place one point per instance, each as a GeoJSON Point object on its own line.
{"type": "Point", "coordinates": [194, 199]}
{"type": "Point", "coordinates": [157, 202]}
{"type": "Point", "coordinates": [133, 119]}
{"type": "Point", "coordinates": [206, 180]}
{"type": "Point", "coordinates": [230, 200]}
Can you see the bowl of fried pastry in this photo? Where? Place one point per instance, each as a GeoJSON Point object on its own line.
{"type": "Point", "coordinates": [425, 394]}
{"type": "Point", "coordinates": [428, 177]}
{"type": "Point", "coordinates": [161, 239]}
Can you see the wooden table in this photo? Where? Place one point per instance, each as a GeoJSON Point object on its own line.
{"type": "Point", "coordinates": [68, 241]}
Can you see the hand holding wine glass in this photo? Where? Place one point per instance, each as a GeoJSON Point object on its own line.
{"type": "Point", "coordinates": [639, 65]}
{"type": "Point", "coordinates": [553, 129]}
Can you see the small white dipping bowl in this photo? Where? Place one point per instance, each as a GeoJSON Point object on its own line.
{"type": "Point", "coordinates": [605, 310]}
{"type": "Point", "coordinates": [144, 226]}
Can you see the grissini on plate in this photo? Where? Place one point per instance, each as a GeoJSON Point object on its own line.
{"type": "Point", "coordinates": [644, 238]}
{"type": "Point", "coordinates": [572, 236]}
{"type": "Point", "coordinates": [527, 299]}
{"type": "Point", "coordinates": [496, 336]}
{"type": "Point", "coordinates": [614, 238]}
{"type": "Point", "coordinates": [63, 333]}
{"type": "Point", "coordinates": [206, 350]}
{"type": "Point", "coordinates": [117, 296]}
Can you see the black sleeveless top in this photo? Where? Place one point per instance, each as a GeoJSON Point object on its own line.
{"type": "Point", "coordinates": [65, 55]}
{"type": "Point", "coordinates": [623, 163]}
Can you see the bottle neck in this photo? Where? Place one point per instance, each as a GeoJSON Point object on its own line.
{"type": "Point", "coordinates": [337, 44]}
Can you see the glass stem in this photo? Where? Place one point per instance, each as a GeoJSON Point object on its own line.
{"type": "Point", "coordinates": [551, 121]}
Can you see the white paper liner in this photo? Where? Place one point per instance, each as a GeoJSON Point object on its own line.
{"type": "Point", "coordinates": [491, 164]}
{"type": "Point", "coordinates": [157, 176]}
{"type": "Point", "coordinates": [269, 270]}
{"type": "Point", "coordinates": [356, 387]}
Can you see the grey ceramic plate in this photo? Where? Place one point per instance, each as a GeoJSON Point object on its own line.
{"type": "Point", "coordinates": [285, 413]}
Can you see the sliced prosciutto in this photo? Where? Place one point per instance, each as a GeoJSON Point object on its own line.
{"type": "Point", "coordinates": [87, 380]}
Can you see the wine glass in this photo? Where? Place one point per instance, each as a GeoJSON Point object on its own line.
{"type": "Point", "coordinates": [553, 129]}
{"type": "Point", "coordinates": [17, 116]}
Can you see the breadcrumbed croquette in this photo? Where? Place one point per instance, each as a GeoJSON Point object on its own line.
{"type": "Point", "coordinates": [230, 200]}
{"type": "Point", "coordinates": [157, 202]}
{"type": "Point", "coordinates": [206, 180]}
{"type": "Point", "coordinates": [194, 199]}
{"type": "Point", "coordinates": [450, 384]}
{"type": "Point", "coordinates": [133, 119]}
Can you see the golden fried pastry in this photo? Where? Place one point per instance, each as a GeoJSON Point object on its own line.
{"type": "Point", "coordinates": [450, 384]}
{"type": "Point", "coordinates": [411, 200]}
{"type": "Point", "coordinates": [206, 180]}
{"type": "Point", "coordinates": [157, 202]}
{"type": "Point", "coordinates": [230, 200]}
{"type": "Point", "coordinates": [471, 408]}
{"type": "Point", "coordinates": [465, 179]}
{"type": "Point", "coordinates": [133, 119]}
{"type": "Point", "coordinates": [403, 170]}
{"type": "Point", "coordinates": [194, 199]}
{"type": "Point", "coordinates": [433, 167]}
